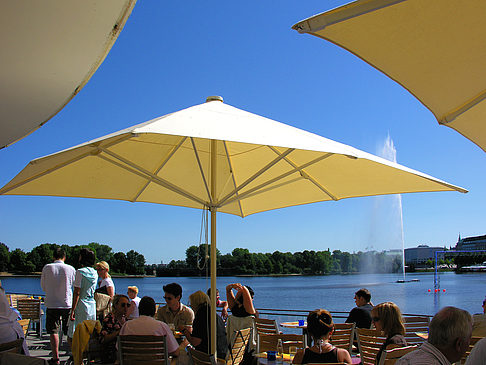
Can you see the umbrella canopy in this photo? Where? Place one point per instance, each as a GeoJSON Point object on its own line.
{"type": "Point", "coordinates": [435, 49]}
{"type": "Point", "coordinates": [50, 50]}
{"type": "Point", "coordinates": [221, 158]}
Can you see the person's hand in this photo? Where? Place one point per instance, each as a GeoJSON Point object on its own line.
{"type": "Point", "coordinates": [71, 316]}
{"type": "Point", "coordinates": [224, 313]}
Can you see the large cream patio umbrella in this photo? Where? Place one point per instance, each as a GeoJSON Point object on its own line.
{"type": "Point", "coordinates": [435, 49]}
{"type": "Point", "coordinates": [221, 158]}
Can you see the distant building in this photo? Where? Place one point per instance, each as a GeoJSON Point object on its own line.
{"type": "Point", "coordinates": [471, 243]}
{"type": "Point", "coordinates": [418, 256]}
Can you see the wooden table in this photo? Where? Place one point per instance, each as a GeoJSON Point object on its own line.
{"type": "Point", "coordinates": [262, 359]}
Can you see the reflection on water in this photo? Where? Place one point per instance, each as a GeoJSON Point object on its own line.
{"type": "Point", "coordinates": [333, 292]}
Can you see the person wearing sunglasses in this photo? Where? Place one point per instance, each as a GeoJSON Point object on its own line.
{"type": "Point", "coordinates": [387, 318]}
{"type": "Point", "coordinates": [111, 326]}
{"type": "Point", "coordinates": [174, 312]}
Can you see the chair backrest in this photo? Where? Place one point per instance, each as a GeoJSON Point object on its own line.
{"type": "Point", "coordinates": [238, 346]}
{"type": "Point", "coordinates": [14, 297]}
{"type": "Point", "coordinates": [134, 350]}
{"type": "Point", "coordinates": [268, 342]}
{"type": "Point", "coordinates": [25, 325]}
{"type": "Point", "coordinates": [266, 326]}
{"type": "Point", "coordinates": [389, 357]}
{"type": "Point", "coordinates": [413, 325]}
{"type": "Point", "coordinates": [473, 342]}
{"type": "Point", "coordinates": [12, 346]}
{"type": "Point", "coordinates": [29, 308]}
{"type": "Point", "coordinates": [201, 358]}
{"type": "Point", "coordinates": [369, 343]}
{"type": "Point", "coordinates": [343, 335]}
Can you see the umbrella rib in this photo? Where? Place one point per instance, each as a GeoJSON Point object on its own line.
{"type": "Point", "coordinates": [56, 167]}
{"type": "Point", "coordinates": [164, 161]}
{"type": "Point", "coordinates": [449, 117]}
{"type": "Point", "coordinates": [290, 172]}
{"type": "Point", "coordinates": [210, 198]}
{"type": "Point", "coordinates": [306, 175]}
{"type": "Point", "coordinates": [232, 176]}
{"type": "Point", "coordinates": [147, 174]}
{"type": "Point", "coordinates": [234, 193]}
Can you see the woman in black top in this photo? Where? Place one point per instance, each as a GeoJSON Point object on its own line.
{"type": "Point", "coordinates": [388, 319]}
{"type": "Point", "coordinates": [320, 326]}
{"type": "Point", "coordinates": [201, 326]}
{"type": "Point", "coordinates": [240, 305]}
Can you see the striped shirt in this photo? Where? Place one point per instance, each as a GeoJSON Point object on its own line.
{"type": "Point", "coordinates": [426, 354]}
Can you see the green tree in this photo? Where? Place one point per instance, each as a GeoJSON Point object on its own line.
{"type": "Point", "coordinates": [119, 263]}
{"type": "Point", "coordinates": [19, 262]}
{"type": "Point", "coordinates": [42, 255]}
{"type": "Point", "coordinates": [102, 252]}
{"type": "Point", "coordinates": [135, 263]}
{"type": "Point", "coordinates": [4, 257]}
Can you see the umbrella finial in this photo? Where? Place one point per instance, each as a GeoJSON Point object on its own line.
{"type": "Point", "coordinates": [214, 98]}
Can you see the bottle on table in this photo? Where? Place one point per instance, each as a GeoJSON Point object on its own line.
{"type": "Point", "coordinates": [280, 351]}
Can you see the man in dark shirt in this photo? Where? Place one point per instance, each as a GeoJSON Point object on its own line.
{"type": "Point", "coordinates": [361, 314]}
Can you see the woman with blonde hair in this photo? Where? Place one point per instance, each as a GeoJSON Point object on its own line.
{"type": "Point", "coordinates": [201, 326]}
{"type": "Point", "coordinates": [320, 326]}
{"type": "Point", "coordinates": [387, 318]}
{"type": "Point", "coordinates": [106, 285]}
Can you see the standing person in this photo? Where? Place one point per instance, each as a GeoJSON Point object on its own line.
{"type": "Point", "coordinates": [174, 312]}
{"type": "Point", "coordinates": [320, 326]}
{"type": "Point", "coordinates": [57, 281]}
{"type": "Point", "coordinates": [361, 314]}
{"type": "Point", "coordinates": [449, 337]}
{"type": "Point", "coordinates": [106, 285]}
{"type": "Point", "coordinates": [220, 304]}
{"type": "Point", "coordinates": [132, 293]}
{"type": "Point", "coordinates": [388, 318]}
{"type": "Point", "coordinates": [201, 327]}
{"type": "Point", "coordinates": [84, 305]}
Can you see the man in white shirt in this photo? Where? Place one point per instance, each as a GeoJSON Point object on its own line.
{"type": "Point", "coordinates": [146, 324]}
{"type": "Point", "coordinates": [57, 282]}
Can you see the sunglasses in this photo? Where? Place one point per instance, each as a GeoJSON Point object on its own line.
{"type": "Point", "coordinates": [375, 319]}
{"type": "Point", "coordinates": [168, 298]}
{"type": "Point", "coordinates": [126, 305]}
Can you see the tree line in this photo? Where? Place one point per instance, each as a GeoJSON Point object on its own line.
{"type": "Point", "coordinates": [18, 261]}
{"type": "Point", "coordinates": [242, 262]}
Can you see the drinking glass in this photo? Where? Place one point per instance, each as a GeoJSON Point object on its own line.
{"type": "Point", "coordinates": [292, 352]}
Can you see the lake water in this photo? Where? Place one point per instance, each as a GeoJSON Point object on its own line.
{"type": "Point", "coordinates": [333, 292]}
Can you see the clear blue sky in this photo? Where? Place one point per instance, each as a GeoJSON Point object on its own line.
{"type": "Point", "coordinates": [172, 55]}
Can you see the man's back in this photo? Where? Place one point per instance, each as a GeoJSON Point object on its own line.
{"type": "Point", "coordinates": [361, 316]}
{"type": "Point", "coordinates": [57, 281]}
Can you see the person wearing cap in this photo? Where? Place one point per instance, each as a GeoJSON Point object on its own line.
{"type": "Point", "coordinates": [132, 293]}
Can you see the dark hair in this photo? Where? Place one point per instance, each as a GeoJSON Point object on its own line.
{"type": "Point", "coordinates": [208, 292]}
{"type": "Point", "coordinates": [117, 297]}
{"type": "Point", "coordinates": [58, 253]}
{"type": "Point", "coordinates": [364, 293]}
{"type": "Point", "coordinates": [250, 290]}
{"type": "Point", "coordinates": [174, 289]}
{"type": "Point", "coordinates": [86, 257]}
{"type": "Point", "coordinates": [319, 323]}
{"type": "Point", "coordinates": [146, 307]}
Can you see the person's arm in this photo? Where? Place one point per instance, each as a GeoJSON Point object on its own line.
{"type": "Point", "coordinates": [110, 336]}
{"type": "Point", "coordinates": [76, 293]}
{"type": "Point", "coordinates": [194, 341]}
{"type": "Point", "coordinates": [247, 300]}
{"type": "Point", "coordinates": [344, 356]}
{"type": "Point", "coordinates": [298, 357]}
{"type": "Point", "coordinates": [131, 308]}
{"type": "Point", "coordinates": [43, 280]}
{"type": "Point", "coordinates": [224, 311]}
{"type": "Point", "coordinates": [230, 297]}
{"type": "Point", "coordinates": [111, 291]}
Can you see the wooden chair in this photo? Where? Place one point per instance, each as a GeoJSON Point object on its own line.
{"type": "Point", "coordinates": [473, 342]}
{"type": "Point", "coordinates": [147, 350]}
{"type": "Point", "coordinates": [12, 298]}
{"type": "Point", "coordinates": [389, 357]}
{"type": "Point", "coordinates": [25, 323]}
{"type": "Point", "coordinates": [12, 346]}
{"type": "Point", "coordinates": [238, 347]}
{"type": "Point", "coordinates": [31, 309]}
{"type": "Point", "coordinates": [266, 326]}
{"type": "Point", "coordinates": [369, 343]}
{"type": "Point", "coordinates": [201, 358]}
{"type": "Point", "coordinates": [412, 326]}
{"type": "Point", "coordinates": [268, 342]}
{"type": "Point", "coordinates": [343, 335]}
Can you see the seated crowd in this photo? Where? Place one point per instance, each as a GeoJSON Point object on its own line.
{"type": "Point", "coordinates": [448, 339]}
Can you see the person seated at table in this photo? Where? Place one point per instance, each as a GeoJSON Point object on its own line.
{"type": "Point", "coordinates": [361, 314]}
{"type": "Point", "coordinates": [111, 325]}
{"type": "Point", "coordinates": [220, 304]}
{"type": "Point", "coordinates": [201, 327]}
{"type": "Point", "coordinates": [387, 318]}
{"type": "Point", "coordinates": [10, 329]}
{"type": "Point", "coordinates": [174, 311]}
{"type": "Point", "coordinates": [479, 322]}
{"type": "Point", "coordinates": [132, 293]}
{"type": "Point", "coordinates": [147, 325]}
{"type": "Point", "coordinates": [320, 326]}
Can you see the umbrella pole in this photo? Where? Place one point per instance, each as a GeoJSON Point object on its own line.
{"type": "Point", "coordinates": [213, 250]}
